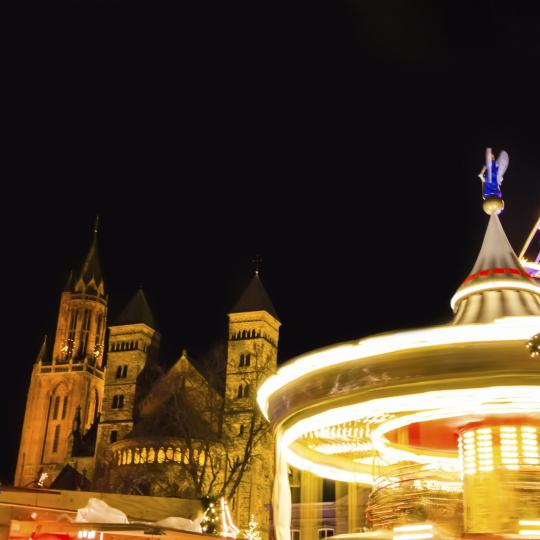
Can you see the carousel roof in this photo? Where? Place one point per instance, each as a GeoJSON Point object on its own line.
{"type": "Point", "coordinates": [497, 286]}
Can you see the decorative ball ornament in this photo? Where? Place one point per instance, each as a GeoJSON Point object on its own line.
{"type": "Point", "coordinates": [493, 205]}
{"type": "Point", "coordinates": [534, 346]}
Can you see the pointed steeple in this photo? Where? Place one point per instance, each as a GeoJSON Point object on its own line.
{"type": "Point", "coordinates": [497, 286]}
{"type": "Point", "coordinates": [91, 267]}
{"type": "Point", "coordinates": [69, 282]}
{"type": "Point", "coordinates": [89, 271]}
{"type": "Point", "coordinates": [137, 311]}
{"type": "Point", "coordinates": [41, 357]}
{"type": "Point", "coordinates": [255, 298]}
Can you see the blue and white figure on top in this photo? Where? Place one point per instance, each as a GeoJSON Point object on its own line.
{"type": "Point", "coordinates": [492, 177]}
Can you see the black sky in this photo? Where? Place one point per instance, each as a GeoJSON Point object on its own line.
{"type": "Point", "coordinates": [340, 140]}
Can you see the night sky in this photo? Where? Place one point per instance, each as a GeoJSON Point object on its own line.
{"type": "Point", "coordinates": [339, 140]}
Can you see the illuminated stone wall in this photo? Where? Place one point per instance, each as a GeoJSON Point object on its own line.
{"type": "Point", "coordinates": [130, 347]}
{"type": "Point", "coordinates": [251, 357]}
{"type": "Point", "coordinates": [65, 389]}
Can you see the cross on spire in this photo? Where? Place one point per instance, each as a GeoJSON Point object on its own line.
{"type": "Point", "coordinates": [257, 261]}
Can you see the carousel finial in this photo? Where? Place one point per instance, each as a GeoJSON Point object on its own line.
{"type": "Point", "coordinates": [492, 177]}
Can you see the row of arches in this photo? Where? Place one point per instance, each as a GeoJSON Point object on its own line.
{"type": "Point", "coordinates": [251, 334]}
{"type": "Point", "coordinates": [128, 346]}
{"type": "Point", "coordinates": [246, 334]}
{"type": "Point", "coordinates": [162, 454]}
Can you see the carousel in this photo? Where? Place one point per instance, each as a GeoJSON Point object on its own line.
{"type": "Point", "coordinates": [441, 423]}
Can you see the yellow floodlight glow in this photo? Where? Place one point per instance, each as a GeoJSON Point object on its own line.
{"type": "Point", "coordinates": [529, 532]}
{"type": "Point", "coordinates": [495, 284]}
{"type": "Point", "coordinates": [529, 522]}
{"type": "Point", "coordinates": [504, 329]}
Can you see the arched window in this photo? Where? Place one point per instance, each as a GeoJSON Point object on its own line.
{"type": "Point", "coordinates": [118, 401]}
{"type": "Point", "coordinates": [169, 453]}
{"type": "Point", "coordinates": [253, 333]}
{"type": "Point", "coordinates": [244, 334]}
{"type": "Point", "coordinates": [136, 456]}
{"type": "Point", "coordinates": [325, 532]}
{"type": "Point", "coordinates": [124, 372]}
{"type": "Point", "coordinates": [240, 391]}
{"type": "Point", "coordinates": [241, 430]}
{"type": "Point", "coordinates": [56, 439]}
{"type": "Point", "coordinates": [64, 407]}
{"type": "Point", "coordinates": [143, 455]}
{"type": "Point", "coordinates": [246, 390]}
{"type": "Point", "coordinates": [248, 360]}
{"type": "Point", "coordinates": [241, 360]}
{"type": "Point", "coordinates": [128, 459]}
{"type": "Point", "coordinates": [161, 455]}
{"type": "Point", "coordinates": [151, 455]}
{"type": "Point", "coordinates": [118, 372]}
{"type": "Point", "coordinates": [113, 436]}
{"type": "Point", "coordinates": [56, 407]}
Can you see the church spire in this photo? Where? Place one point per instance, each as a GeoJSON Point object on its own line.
{"type": "Point", "coordinates": [255, 298]}
{"type": "Point", "coordinates": [89, 273]}
{"type": "Point", "coordinates": [42, 351]}
{"type": "Point", "coordinates": [497, 286]}
{"type": "Point", "coordinates": [137, 311]}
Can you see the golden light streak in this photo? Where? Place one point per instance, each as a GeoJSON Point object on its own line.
{"type": "Point", "coordinates": [413, 532]}
{"type": "Point", "coordinates": [442, 404]}
{"type": "Point", "coordinates": [505, 329]}
{"type": "Point", "coordinates": [409, 528]}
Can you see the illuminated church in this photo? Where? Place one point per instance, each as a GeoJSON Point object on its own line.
{"type": "Point", "coordinates": [101, 413]}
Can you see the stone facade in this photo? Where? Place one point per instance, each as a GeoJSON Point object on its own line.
{"type": "Point", "coordinates": [66, 388]}
{"type": "Point", "coordinates": [251, 356]}
{"type": "Point", "coordinates": [111, 413]}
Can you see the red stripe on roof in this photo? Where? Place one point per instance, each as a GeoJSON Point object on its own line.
{"type": "Point", "coordinates": [514, 271]}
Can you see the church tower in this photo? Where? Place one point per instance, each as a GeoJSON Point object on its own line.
{"type": "Point", "coordinates": [133, 341]}
{"type": "Point", "coordinates": [66, 388]}
{"type": "Point", "coordinates": [251, 357]}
